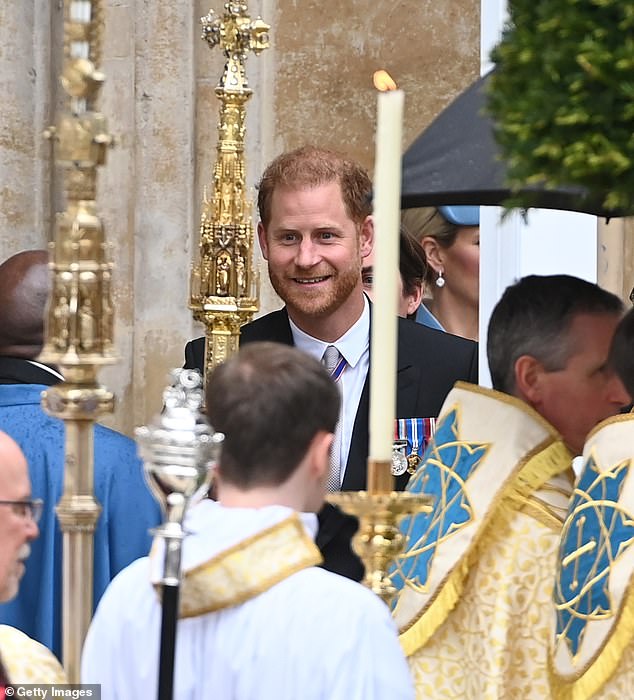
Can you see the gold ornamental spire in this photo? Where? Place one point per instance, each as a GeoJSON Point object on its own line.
{"type": "Point", "coordinates": [224, 286]}
{"type": "Point", "coordinates": [79, 326]}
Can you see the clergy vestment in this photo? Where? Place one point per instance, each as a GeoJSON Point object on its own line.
{"type": "Point", "coordinates": [477, 575]}
{"type": "Point", "coordinates": [128, 508]}
{"type": "Point", "coordinates": [592, 641]}
{"type": "Point", "coordinates": [27, 661]}
{"type": "Point", "coordinates": [258, 619]}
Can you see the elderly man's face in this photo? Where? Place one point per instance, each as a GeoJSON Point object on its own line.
{"type": "Point", "coordinates": [17, 527]}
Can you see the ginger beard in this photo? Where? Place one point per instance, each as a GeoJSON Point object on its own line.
{"type": "Point", "coordinates": [317, 293]}
{"type": "Point", "coordinates": [315, 252]}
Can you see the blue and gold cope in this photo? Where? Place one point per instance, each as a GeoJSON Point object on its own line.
{"type": "Point", "coordinates": [476, 580]}
{"type": "Point", "coordinates": [447, 465]}
{"type": "Point", "coordinates": [596, 533]}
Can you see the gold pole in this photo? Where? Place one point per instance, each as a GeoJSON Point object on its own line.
{"type": "Point", "coordinates": [224, 286]}
{"type": "Point", "coordinates": [80, 314]}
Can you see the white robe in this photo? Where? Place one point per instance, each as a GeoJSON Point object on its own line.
{"type": "Point", "coordinates": [314, 635]}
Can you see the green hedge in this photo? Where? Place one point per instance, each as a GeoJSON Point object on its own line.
{"type": "Point", "coordinates": [563, 96]}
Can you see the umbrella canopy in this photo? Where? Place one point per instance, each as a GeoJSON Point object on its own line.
{"type": "Point", "coordinates": [456, 161]}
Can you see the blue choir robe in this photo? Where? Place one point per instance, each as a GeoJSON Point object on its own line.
{"type": "Point", "coordinates": [121, 536]}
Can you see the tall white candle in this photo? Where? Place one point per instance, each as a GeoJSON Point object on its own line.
{"type": "Point", "coordinates": [383, 349]}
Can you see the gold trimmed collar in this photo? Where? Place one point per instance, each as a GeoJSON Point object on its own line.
{"type": "Point", "coordinates": [248, 569]}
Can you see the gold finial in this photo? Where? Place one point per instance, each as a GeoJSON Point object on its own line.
{"type": "Point", "coordinates": [224, 286]}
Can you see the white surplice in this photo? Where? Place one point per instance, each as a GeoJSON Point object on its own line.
{"type": "Point", "coordinates": [312, 636]}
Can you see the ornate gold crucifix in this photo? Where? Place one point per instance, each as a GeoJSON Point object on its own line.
{"type": "Point", "coordinates": [224, 286]}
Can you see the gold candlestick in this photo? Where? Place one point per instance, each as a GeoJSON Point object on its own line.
{"type": "Point", "coordinates": [378, 540]}
{"type": "Point", "coordinates": [80, 313]}
{"type": "Point", "coordinates": [224, 286]}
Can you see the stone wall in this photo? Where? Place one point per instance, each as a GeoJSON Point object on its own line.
{"type": "Point", "coordinates": [313, 85]}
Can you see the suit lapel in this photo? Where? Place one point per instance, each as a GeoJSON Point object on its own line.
{"type": "Point", "coordinates": [407, 388]}
{"type": "Point", "coordinates": [273, 327]}
{"type": "Point", "coordinates": [282, 328]}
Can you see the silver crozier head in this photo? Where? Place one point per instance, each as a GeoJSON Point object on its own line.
{"type": "Point", "coordinates": [179, 448]}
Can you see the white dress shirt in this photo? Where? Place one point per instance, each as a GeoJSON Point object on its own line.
{"type": "Point", "coordinates": [354, 345]}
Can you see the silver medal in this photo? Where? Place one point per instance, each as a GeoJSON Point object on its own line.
{"type": "Point", "coordinates": [399, 458]}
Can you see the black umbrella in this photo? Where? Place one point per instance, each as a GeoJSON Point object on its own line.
{"type": "Point", "coordinates": [456, 160]}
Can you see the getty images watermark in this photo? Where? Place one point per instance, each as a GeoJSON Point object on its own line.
{"type": "Point", "coordinates": [59, 690]}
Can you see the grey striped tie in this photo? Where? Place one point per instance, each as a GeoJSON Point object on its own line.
{"type": "Point", "coordinates": [331, 360]}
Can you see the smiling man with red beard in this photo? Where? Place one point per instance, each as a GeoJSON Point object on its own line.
{"type": "Point", "coordinates": [315, 230]}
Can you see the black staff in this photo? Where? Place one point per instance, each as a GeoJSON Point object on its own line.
{"type": "Point", "coordinates": [169, 618]}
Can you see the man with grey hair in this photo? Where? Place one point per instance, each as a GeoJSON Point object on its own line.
{"type": "Point", "coordinates": [548, 344]}
{"type": "Point", "coordinates": [476, 581]}
{"type": "Point", "coordinates": [592, 640]}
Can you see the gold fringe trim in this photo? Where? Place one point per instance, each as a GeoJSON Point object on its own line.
{"type": "Point", "coordinates": [605, 661]}
{"type": "Point", "coordinates": [449, 592]}
{"type": "Point", "coordinates": [548, 459]}
{"type": "Point", "coordinates": [542, 466]}
{"type": "Point", "coordinates": [539, 511]}
{"type": "Point", "coordinates": [537, 470]}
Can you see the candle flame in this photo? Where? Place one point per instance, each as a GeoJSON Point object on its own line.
{"type": "Point", "coordinates": [383, 81]}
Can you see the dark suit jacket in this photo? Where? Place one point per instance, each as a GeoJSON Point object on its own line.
{"type": "Point", "coordinates": [429, 363]}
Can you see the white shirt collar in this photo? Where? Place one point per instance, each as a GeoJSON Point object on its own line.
{"type": "Point", "coordinates": [352, 344]}
{"type": "Point", "coordinates": [46, 368]}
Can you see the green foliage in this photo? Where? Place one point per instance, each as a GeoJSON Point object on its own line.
{"type": "Point", "coordinates": [563, 97]}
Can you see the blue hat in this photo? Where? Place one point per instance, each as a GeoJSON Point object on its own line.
{"type": "Point", "coordinates": [461, 215]}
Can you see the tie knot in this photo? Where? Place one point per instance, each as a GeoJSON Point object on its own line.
{"type": "Point", "coordinates": [331, 357]}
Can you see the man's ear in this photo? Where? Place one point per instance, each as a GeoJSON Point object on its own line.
{"type": "Point", "coordinates": [317, 457]}
{"type": "Point", "coordinates": [262, 240]}
{"type": "Point", "coordinates": [414, 300]}
{"type": "Point", "coordinates": [433, 252]}
{"type": "Point", "coordinates": [320, 455]}
{"type": "Point", "coordinates": [529, 376]}
{"type": "Point", "coordinates": [366, 236]}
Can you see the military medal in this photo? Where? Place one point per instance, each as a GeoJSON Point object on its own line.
{"type": "Point", "coordinates": [399, 460]}
{"type": "Point", "coordinates": [411, 437]}
{"type": "Point", "coordinates": [413, 458]}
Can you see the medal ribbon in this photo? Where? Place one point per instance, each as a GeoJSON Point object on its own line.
{"type": "Point", "coordinates": [411, 428]}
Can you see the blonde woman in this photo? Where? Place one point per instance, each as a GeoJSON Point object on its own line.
{"type": "Point", "coordinates": [450, 238]}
